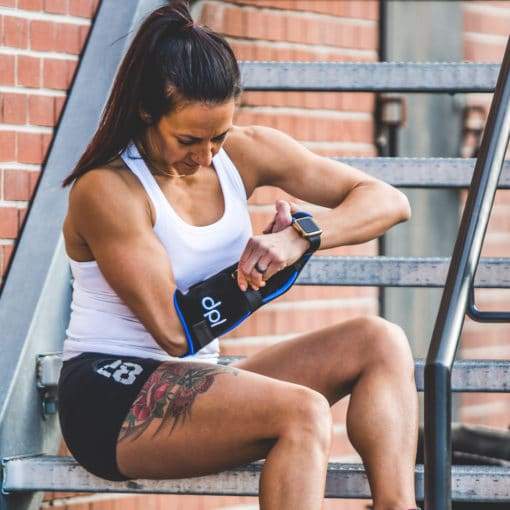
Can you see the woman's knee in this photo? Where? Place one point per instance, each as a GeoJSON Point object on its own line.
{"type": "Point", "coordinates": [387, 344]}
{"type": "Point", "coordinates": [309, 414]}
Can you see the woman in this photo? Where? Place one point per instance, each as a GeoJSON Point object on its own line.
{"type": "Point", "coordinates": [159, 202]}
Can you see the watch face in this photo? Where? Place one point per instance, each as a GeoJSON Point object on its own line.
{"type": "Point", "coordinates": [308, 225]}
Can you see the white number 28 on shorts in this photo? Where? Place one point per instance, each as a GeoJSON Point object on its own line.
{"type": "Point", "coordinates": [123, 372]}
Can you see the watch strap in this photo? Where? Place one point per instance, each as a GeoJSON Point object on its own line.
{"type": "Point", "coordinates": [314, 239]}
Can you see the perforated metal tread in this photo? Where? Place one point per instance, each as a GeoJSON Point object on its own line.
{"type": "Point", "coordinates": [63, 474]}
{"type": "Point", "coordinates": [467, 376]}
{"type": "Point", "coordinates": [424, 172]}
{"type": "Point", "coordinates": [370, 76]}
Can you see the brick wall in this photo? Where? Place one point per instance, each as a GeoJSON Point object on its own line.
{"type": "Point", "coordinates": [40, 43]}
{"type": "Point", "coordinates": [486, 29]}
{"type": "Point", "coordinates": [39, 50]}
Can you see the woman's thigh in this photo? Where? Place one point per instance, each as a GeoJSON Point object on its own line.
{"type": "Point", "coordinates": [327, 360]}
{"type": "Point", "coordinates": [195, 418]}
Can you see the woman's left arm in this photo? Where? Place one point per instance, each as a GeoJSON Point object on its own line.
{"type": "Point", "coordinates": [361, 207]}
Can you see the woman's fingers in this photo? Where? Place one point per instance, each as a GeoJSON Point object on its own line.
{"type": "Point", "coordinates": [247, 272]}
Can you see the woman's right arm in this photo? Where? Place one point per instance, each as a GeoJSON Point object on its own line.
{"type": "Point", "coordinates": [117, 228]}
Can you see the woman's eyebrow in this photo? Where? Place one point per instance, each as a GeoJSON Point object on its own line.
{"type": "Point", "coordinates": [199, 139]}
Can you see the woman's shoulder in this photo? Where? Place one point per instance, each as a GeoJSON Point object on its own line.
{"type": "Point", "coordinates": [106, 189]}
{"type": "Point", "coordinates": [113, 176]}
{"type": "Point", "coordinates": [250, 140]}
{"type": "Point", "coordinates": [110, 182]}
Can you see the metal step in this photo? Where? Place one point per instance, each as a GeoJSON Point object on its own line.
{"type": "Point", "coordinates": [64, 474]}
{"type": "Point", "coordinates": [370, 77]}
{"type": "Point", "coordinates": [380, 271]}
{"type": "Point", "coordinates": [398, 271]}
{"type": "Point", "coordinates": [424, 172]}
{"type": "Point", "coordinates": [468, 375]}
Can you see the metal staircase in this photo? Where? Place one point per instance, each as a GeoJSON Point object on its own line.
{"type": "Point", "coordinates": [35, 298]}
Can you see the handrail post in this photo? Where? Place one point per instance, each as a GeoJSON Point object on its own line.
{"type": "Point", "coordinates": [438, 427]}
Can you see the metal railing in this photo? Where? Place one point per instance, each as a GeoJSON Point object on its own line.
{"type": "Point", "coordinates": [452, 310]}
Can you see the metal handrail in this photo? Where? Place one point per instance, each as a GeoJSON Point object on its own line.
{"type": "Point", "coordinates": [452, 310]}
{"type": "Point", "coordinates": [482, 315]}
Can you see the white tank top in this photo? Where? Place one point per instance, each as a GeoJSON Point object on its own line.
{"type": "Point", "coordinates": [101, 322]}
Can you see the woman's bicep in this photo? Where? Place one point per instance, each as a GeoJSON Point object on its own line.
{"type": "Point", "coordinates": [131, 258]}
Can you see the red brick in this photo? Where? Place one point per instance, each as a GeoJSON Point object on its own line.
{"type": "Point", "coordinates": [41, 110]}
{"type": "Point", "coordinates": [82, 8]}
{"type": "Point", "coordinates": [373, 9]}
{"type": "Point", "coordinates": [32, 5]}
{"type": "Point", "coordinates": [478, 51]}
{"type": "Point", "coordinates": [212, 16]}
{"type": "Point", "coordinates": [68, 38]}
{"type": "Point", "coordinates": [318, 128]}
{"type": "Point", "coordinates": [14, 108]}
{"type": "Point", "coordinates": [16, 185]}
{"type": "Point", "coordinates": [55, 6]}
{"type": "Point", "coordinates": [6, 255]}
{"type": "Point", "coordinates": [7, 146]}
{"type": "Point", "coordinates": [256, 28]}
{"type": "Point", "coordinates": [57, 73]}
{"type": "Point", "coordinates": [42, 35]}
{"type": "Point", "coordinates": [7, 66]}
{"type": "Point", "coordinates": [46, 140]}
{"type": "Point", "coordinates": [271, 321]}
{"type": "Point", "coordinates": [29, 71]}
{"type": "Point", "coordinates": [15, 32]}
{"type": "Point", "coordinates": [21, 217]}
{"type": "Point", "coordinates": [8, 222]}
{"type": "Point", "coordinates": [8, 3]}
{"type": "Point", "coordinates": [33, 178]}
{"type": "Point", "coordinates": [58, 106]}
{"type": "Point", "coordinates": [233, 22]}
{"type": "Point", "coordinates": [84, 32]}
{"type": "Point", "coordinates": [30, 148]}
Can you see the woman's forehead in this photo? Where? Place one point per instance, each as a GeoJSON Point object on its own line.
{"type": "Point", "coordinates": [197, 118]}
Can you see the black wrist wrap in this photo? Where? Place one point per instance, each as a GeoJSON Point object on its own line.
{"type": "Point", "coordinates": [217, 305]}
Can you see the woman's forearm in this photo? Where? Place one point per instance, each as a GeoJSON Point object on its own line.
{"type": "Point", "coordinates": [367, 212]}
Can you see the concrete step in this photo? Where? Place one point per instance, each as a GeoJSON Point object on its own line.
{"type": "Point", "coordinates": [64, 474]}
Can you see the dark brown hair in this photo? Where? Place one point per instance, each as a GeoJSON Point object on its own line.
{"type": "Point", "coordinates": [171, 61]}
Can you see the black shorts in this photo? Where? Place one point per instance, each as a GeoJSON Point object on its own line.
{"type": "Point", "coordinates": [95, 393]}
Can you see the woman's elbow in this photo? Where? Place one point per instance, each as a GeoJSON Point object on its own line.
{"type": "Point", "coordinates": [403, 207]}
{"type": "Point", "coordinates": [406, 208]}
{"type": "Point", "coordinates": [175, 344]}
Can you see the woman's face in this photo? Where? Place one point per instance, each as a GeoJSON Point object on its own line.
{"type": "Point", "coordinates": [193, 134]}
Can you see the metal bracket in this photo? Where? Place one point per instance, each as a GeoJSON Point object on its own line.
{"type": "Point", "coordinates": [48, 367]}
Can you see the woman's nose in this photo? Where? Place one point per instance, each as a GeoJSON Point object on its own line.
{"type": "Point", "coordinates": [204, 156]}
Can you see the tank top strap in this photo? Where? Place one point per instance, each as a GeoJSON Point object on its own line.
{"type": "Point", "coordinates": [226, 165]}
{"type": "Point", "coordinates": [137, 165]}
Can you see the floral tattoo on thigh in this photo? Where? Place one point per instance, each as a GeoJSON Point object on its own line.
{"type": "Point", "coordinates": [168, 395]}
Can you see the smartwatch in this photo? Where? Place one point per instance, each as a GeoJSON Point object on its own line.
{"type": "Point", "coordinates": [303, 222]}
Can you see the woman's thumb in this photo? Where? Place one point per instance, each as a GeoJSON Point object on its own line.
{"type": "Point", "coordinates": [293, 207]}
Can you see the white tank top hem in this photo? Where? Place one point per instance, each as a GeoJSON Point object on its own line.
{"type": "Point", "coordinates": [101, 322]}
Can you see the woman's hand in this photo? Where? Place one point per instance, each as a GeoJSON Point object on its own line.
{"type": "Point", "coordinates": [271, 252]}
